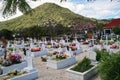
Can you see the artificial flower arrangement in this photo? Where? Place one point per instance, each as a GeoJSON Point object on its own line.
{"type": "Point", "coordinates": [10, 49]}
{"type": "Point", "coordinates": [27, 44]}
{"type": "Point", "coordinates": [111, 42]}
{"type": "Point", "coordinates": [55, 46]}
{"type": "Point", "coordinates": [91, 45]}
{"type": "Point", "coordinates": [85, 42]}
{"type": "Point", "coordinates": [49, 43]}
{"type": "Point", "coordinates": [73, 46]}
{"type": "Point", "coordinates": [5, 62]}
{"type": "Point", "coordinates": [114, 47]}
{"type": "Point", "coordinates": [10, 60]}
{"type": "Point", "coordinates": [15, 58]}
{"type": "Point", "coordinates": [35, 49]}
{"type": "Point", "coordinates": [12, 74]}
{"type": "Point", "coordinates": [49, 46]}
{"type": "Point", "coordinates": [60, 56]}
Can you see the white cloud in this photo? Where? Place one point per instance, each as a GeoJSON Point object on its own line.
{"type": "Point", "coordinates": [99, 9]}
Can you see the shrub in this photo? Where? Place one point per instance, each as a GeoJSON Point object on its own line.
{"type": "Point", "coordinates": [6, 33]}
{"type": "Point", "coordinates": [109, 67]}
{"type": "Point", "coordinates": [116, 30]}
{"type": "Point", "coordinates": [98, 55]}
{"type": "Point", "coordinates": [83, 66]}
{"type": "Point", "coordinates": [101, 54]}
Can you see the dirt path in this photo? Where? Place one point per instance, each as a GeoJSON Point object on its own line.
{"type": "Point", "coordinates": [53, 74]}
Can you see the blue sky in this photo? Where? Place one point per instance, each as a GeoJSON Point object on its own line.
{"type": "Point", "coordinates": [78, 1]}
{"type": "Point", "coordinates": [99, 9]}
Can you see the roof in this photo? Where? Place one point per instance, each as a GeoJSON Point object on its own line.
{"type": "Point", "coordinates": [81, 27]}
{"type": "Point", "coordinates": [113, 23]}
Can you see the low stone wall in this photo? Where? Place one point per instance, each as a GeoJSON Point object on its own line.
{"type": "Point", "coordinates": [61, 64]}
{"type": "Point", "coordinates": [79, 75]}
{"type": "Point", "coordinates": [19, 66]}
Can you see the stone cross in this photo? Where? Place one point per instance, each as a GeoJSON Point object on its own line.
{"type": "Point", "coordinates": [62, 41]}
{"type": "Point", "coordinates": [70, 52]}
{"type": "Point", "coordinates": [78, 46]}
{"type": "Point", "coordinates": [76, 41]}
{"type": "Point", "coordinates": [29, 61]}
{"type": "Point", "coordinates": [106, 42]}
{"type": "Point", "coordinates": [52, 42]}
{"type": "Point", "coordinates": [43, 46]}
{"type": "Point", "coordinates": [118, 39]}
{"type": "Point", "coordinates": [93, 40]}
{"type": "Point", "coordinates": [31, 43]}
{"type": "Point", "coordinates": [45, 41]}
{"type": "Point", "coordinates": [59, 49]}
{"type": "Point", "coordinates": [67, 39]}
{"type": "Point", "coordinates": [23, 43]}
{"type": "Point", "coordinates": [8, 44]}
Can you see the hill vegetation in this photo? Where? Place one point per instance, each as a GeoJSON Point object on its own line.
{"type": "Point", "coordinates": [45, 13]}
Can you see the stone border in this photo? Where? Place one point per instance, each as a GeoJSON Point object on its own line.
{"type": "Point", "coordinates": [28, 76]}
{"type": "Point", "coordinates": [18, 66]}
{"type": "Point", "coordinates": [61, 64]}
{"type": "Point", "coordinates": [39, 53]}
{"type": "Point", "coordinates": [81, 76]}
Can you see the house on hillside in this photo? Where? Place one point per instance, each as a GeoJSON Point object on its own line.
{"type": "Point", "coordinates": [113, 23]}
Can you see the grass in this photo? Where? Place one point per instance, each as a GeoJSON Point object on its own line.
{"type": "Point", "coordinates": [57, 59]}
{"type": "Point", "coordinates": [44, 13]}
{"type": "Point", "coordinates": [83, 66]}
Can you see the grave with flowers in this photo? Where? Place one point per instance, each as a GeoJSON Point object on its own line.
{"type": "Point", "coordinates": [26, 73]}
{"type": "Point", "coordinates": [13, 61]}
{"type": "Point", "coordinates": [61, 59]}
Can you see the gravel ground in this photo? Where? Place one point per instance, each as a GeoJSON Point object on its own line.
{"type": "Point", "coordinates": [53, 74]}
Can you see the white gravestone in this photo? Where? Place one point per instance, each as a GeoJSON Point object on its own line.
{"type": "Point", "coordinates": [43, 46]}
{"type": "Point", "coordinates": [29, 62]}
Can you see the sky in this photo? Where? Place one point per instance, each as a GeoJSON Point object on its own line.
{"type": "Point", "coordinates": [99, 9]}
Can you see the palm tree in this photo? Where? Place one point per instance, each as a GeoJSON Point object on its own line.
{"type": "Point", "coordinates": [12, 5]}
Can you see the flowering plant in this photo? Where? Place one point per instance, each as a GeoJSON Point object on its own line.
{"type": "Point", "coordinates": [61, 56]}
{"type": "Point", "coordinates": [85, 42]}
{"type": "Point", "coordinates": [35, 49]}
{"type": "Point", "coordinates": [73, 44]}
{"type": "Point", "coordinates": [49, 43]}
{"type": "Point", "coordinates": [5, 62]}
{"type": "Point", "coordinates": [15, 58]}
{"type": "Point", "coordinates": [114, 47]}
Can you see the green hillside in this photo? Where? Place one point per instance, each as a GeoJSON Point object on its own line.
{"type": "Point", "coordinates": [43, 13]}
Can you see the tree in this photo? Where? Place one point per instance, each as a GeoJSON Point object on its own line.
{"type": "Point", "coordinates": [116, 30]}
{"type": "Point", "coordinates": [12, 5]}
{"type": "Point", "coordinates": [6, 33]}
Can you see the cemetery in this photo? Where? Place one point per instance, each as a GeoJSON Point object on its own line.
{"type": "Point", "coordinates": [70, 56]}
{"type": "Point", "coordinates": [59, 40]}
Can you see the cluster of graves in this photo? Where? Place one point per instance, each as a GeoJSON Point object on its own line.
{"type": "Point", "coordinates": [57, 54]}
